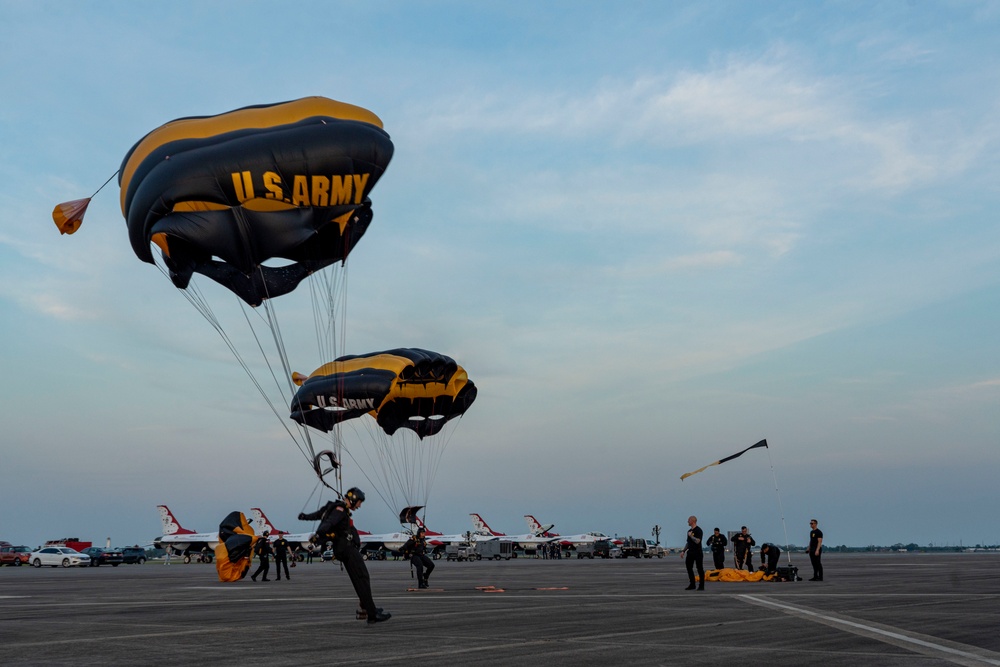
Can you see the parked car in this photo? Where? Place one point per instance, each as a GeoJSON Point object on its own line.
{"type": "Point", "coordinates": [56, 556]}
{"type": "Point", "coordinates": [11, 555]}
{"type": "Point", "coordinates": [99, 556]}
{"type": "Point", "coordinates": [135, 555]}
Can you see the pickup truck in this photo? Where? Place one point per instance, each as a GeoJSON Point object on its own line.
{"type": "Point", "coordinates": [11, 555]}
{"type": "Point", "coordinates": [463, 551]}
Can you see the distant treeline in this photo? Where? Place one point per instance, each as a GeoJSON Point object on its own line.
{"type": "Point", "coordinates": [930, 548]}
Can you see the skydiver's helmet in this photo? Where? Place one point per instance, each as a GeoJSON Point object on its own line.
{"type": "Point", "coordinates": [267, 533]}
{"type": "Point", "coordinates": [354, 495]}
{"type": "Point", "coordinates": [421, 531]}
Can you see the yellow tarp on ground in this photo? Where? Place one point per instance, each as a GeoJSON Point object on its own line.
{"type": "Point", "coordinates": [732, 574]}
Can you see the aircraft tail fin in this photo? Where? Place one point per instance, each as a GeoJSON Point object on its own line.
{"type": "Point", "coordinates": [481, 526]}
{"type": "Point", "coordinates": [420, 524]}
{"type": "Point", "coordinates": [538, 529]}
{"type": "Point", "coordinates": [170, 524]}
{"type": "Point", "coordinates": [261, 523]}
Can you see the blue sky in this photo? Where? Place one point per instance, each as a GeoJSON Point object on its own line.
{"type": "Point", "coordinates": [653, 234]}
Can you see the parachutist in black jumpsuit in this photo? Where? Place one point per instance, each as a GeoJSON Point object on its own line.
{"type": "Point", "coordinates": [416, 549]}
{"type": "Point", "coordinates": [336, 526]}
{"type": "Point", "coordinates": [718, 543]}
{"type": "Point", "coordinates": [742, 542]}
{"type": "Point", "coordinates": [281, 556]}
{"type": "Point", "coordinates": [263, 549]}
{"type": "Point", "coordinates": [769, 555]}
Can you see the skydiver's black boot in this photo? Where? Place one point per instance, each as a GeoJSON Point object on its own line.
{"type": "Point", "coordinates": [379, 617]}
{"type": "Point", "coordinates": [362, 613]}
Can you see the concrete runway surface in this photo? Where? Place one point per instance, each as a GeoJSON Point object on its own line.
{"type": "Point", "coordinates": [878, 609]}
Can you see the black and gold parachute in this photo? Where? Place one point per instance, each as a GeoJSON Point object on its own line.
{"type": "Point", "coordinates": [406, 388]}
{"type": "Point", "coordinates": [234, 552]}
{"type": "Point", "coordinates": [223, 194]}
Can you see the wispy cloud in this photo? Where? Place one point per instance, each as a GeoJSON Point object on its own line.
{"type": "Point", "coordinates": [776, 97]}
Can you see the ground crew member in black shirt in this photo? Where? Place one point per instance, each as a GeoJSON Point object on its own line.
{"type": "Point", "coordinates": [281, 556]}
{"type": "Point", "coordinates": [336, 526]}
{"type": "Point", "coordinates": [769, 555]}
{"type": "Point", "coordinates": [694, 554]}
{"type": "Point", "coordinates": [742, 542]}
{"type": "Point", "coordinates": [416, 549]}
{"type": "Point", "coordinates": [816, 550]}
{"type": "Point", "coordinates": [717, 541]}
{"type": "Point", "coordinates": [263, 549]}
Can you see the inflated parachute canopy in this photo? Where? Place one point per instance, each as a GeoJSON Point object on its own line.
{"type": "Point", "coordinates": [222, 194]}
{"type": "Point", "coordinates": [408, 515]}
{"type": "Point", "coordinates": [233, 553]}
{"type": "Point", "coordinates": [407, 388]}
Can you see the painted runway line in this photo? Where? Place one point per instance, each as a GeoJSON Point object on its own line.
{"type": "Point", "coordinates": [895, 637]}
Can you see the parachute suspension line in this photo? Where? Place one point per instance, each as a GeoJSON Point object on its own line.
{"type": "Point", "coordinates": [319, 498]}
{"type": "Point", "coordinates": [389, 502]}
{"type": "Point", "coordinates": [313, 493]}
{"type": "Point", "coordinates": [436, 458]}
{"type": "Point", "coordinates": [305, 445]}
{"type": "Point", "coordinates": [195, 297]}
{"type": "Point", "coordinates": [781, 510]}
{"type": "Point", "coordinates": [403, 462]}
{"type": "Point", "coordinates": [327, 294]}
{"type": "Point", "coordinates": [392, 465]}
{"type": "Point", "coordinates": [385, 464]}
{"type": "Point", "coordinates": [105, 183]}
{"type": "Point", "coordinates": [279, 343]}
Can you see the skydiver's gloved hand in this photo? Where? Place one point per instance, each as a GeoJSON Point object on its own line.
{"type": "Point", "coordinates": [302, 516]}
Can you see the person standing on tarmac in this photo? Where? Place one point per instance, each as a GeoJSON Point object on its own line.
{"type": "Point", "coordinates": [281, 556]}
{"type": "Point", "coordinates": [263, 549]}
{"type": "Point", "coordinates": [694, 554]}
{"type": "Point", "coordinates": [742, 552]}
{"type": "Point", "coordinates": [816, 550]}
{"type": "Point", "coordinates": [336, 526]}
{"type": "Point", "coordinates": [717, 541]}
{"type": "Point", "coordinates": [416, 549]}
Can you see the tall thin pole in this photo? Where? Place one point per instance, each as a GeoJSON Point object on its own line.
{"type": "Point", "coordinates": [781, 510]}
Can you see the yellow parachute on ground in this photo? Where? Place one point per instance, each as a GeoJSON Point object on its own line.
{"type": "Point", "coordinates": [732, 574]}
